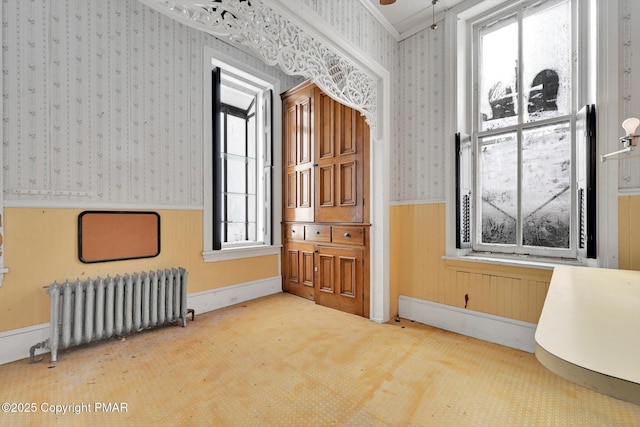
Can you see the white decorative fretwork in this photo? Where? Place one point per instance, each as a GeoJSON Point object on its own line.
{"type": "Point", "coordinates": [278, 41]}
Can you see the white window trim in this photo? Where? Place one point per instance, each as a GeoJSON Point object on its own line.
{"type": "Point", "coordinates": [606, 88]}
{"type": "Point", "coordinates": [210, 57]}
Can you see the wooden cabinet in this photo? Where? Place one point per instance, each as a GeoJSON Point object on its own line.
{"type": "Point", "coordinates": [327, 263]}
{"type": "Point", "coordinates": [325, 216]}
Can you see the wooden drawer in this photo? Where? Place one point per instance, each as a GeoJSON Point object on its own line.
{"type": "Point", "coordinates": [350, 235]}
{"type": "Point", "coordinates": [317, 233]}
{"type": "Point", "coordinates": [294, 232]}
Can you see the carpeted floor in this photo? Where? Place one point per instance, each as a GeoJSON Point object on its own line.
{"type": "Point", "coordinates": [281, 360]}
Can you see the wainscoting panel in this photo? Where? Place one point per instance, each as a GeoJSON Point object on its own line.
{"type": "Point", "coordinates": [629, 232]}
{"type": "Point", "coordinates": [418, 270]}
{"type": "Point", "coordinates": [511, 292]}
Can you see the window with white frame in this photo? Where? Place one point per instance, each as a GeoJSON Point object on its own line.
{"type": "Point", "coordinates": [520, 169]}
{"type": "Point", "coordinates": [238, 140]}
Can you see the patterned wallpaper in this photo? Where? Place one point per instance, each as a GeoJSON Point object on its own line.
{"type": "Point", "coordinates": [419, 155]}
{"type": "Point", "coordinates": [354, 22]}
{"type": "Point", "coordinates": [629, 169]}
{"type": "Point", "coordinates": [103, 103]}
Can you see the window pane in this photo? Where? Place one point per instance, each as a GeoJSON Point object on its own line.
{"type": "Point", "coordinates": [236, 233]}
{"type": "Point", "coordinates": [546, 185]}
{"type": "Point", "coordinates": [236, 174]}
{"type": "Point", "coordinates": [498, 60]}
{"type": "Point", "coordinates": [236, 135]}
{"type": "Point", "coordinates": [547, 60]}
{"type": "Point", "coordinates": [236, 208]}
{"type": "Point", "coordinates": [498, 178]}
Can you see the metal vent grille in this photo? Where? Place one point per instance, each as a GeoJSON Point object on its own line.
{"type": "Point", "coordinates": [466, 219]}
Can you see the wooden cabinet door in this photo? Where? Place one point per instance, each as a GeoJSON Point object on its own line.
{"type": "Point", "coordinates": [298, 269]}
{"type": "Point", "coordinates": [298, 153]}
{"type": "Point", "coordinates": [339, 278]}
{"type": "Point", "coordinates": [340, 139]}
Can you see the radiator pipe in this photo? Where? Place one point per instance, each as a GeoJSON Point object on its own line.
{"type": "Point", "coordinates": [32, 350]}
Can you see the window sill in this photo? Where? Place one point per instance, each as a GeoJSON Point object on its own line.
{"type": "Point", "coordinates": [525, 262]}
{"type": "Point", "coordinates": [240, 253]}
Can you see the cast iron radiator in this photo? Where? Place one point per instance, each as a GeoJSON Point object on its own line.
{"type": "Point", "coordinates": [93, 310]}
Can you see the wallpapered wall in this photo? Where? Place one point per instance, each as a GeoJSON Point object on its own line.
{"type": "Point", "coordinates": [103, 99]}
{"type": "Point", "coordinates": [419, 154]}
{"type": "Point", "coordinates": [629, 170]}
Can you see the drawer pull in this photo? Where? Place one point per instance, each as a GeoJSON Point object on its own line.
{"type": "Point", "coordinates": [317, 231]}
{"type": "Point", "coordinates": [347, 235]}
{"type": "Point", "coordinates": [293, 231]}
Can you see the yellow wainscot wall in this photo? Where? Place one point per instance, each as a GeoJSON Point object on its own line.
{"type": "Point", "coordinates": [41, 246]}
{"type": "Point", "coordinates": [418, 242]}
{"type": "Point", "coordinates": [417, 235]}
{"type": "Point", "coordinates": [629, 232]}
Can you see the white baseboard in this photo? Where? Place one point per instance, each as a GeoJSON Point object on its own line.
{"type": "Point", "coordinates": [15, 344]}
{"type": "Point", "coordinates": [500, 330]}
{"type": "Point", "coordinates": [214, 299]}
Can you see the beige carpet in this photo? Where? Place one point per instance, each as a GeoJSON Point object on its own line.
{"type": "Point", "coordinates": [281, 360]}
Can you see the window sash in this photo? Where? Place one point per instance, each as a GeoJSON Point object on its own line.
{"type": "Point", "coordinates": [517, 128]}
{"type": "Point", "coordinates": [241, 189]}
{"type": "Point", "coordinates": [251, 192]}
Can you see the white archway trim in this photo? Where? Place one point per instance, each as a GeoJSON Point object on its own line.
{"type": "Point", "coordinates": [277, 40]}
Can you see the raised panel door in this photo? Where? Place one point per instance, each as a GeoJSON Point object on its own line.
{"type": "Point", "coordinates": [298, 152]}
{"type": "Point", "coordinates": [298, 269]}
{"type": "Point", "coordinates": [340, 140]}
{"type": "Point", "coordinates": [339, 278]}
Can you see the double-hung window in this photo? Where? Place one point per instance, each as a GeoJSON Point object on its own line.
{"type": "Point", "coordinates": [520, 166]}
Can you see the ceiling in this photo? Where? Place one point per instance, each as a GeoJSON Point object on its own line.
{"type": "Point", "coordinates": [406, 17]}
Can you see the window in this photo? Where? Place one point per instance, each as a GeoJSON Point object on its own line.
{"type": "Point", "coordinates": [242, 184]}
{"type": "Point", "coordinates": [517, 172]}
{"type": "Point", "coordinates": [239, 161]}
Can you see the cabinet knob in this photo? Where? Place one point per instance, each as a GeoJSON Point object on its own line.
{"type": "Point", "coordinates": [293, 231]}
{"type": "Point", "coordinates": [347, 235]}
{"type": "Point", "coordinates": [317, 231]}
